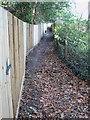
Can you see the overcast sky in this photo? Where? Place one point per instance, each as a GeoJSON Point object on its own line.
{"type": "Point", "coordinates": [81, 8]}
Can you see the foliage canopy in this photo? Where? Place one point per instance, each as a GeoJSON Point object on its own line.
{"type": "Point", "coordinates": [36, 12]}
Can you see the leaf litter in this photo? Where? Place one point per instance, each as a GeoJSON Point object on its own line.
{"type": "Point", "coordinates": [50, 90]}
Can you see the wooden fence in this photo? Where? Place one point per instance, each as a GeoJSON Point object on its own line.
{"type": "Point", "coordinates": [16, 40]}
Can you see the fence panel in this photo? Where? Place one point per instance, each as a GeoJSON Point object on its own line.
{"type": "Point", "coordinates": [16, 39]}
{"type": "Point", "coordinates": [6, 98]}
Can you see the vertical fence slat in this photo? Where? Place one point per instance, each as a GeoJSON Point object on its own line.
{"type": "Point", "coordinates": [10, 108]}
{"type": "Point", "coordinates": [21, 51]}
{"type": "Point", "coordinates": [24, 36]}
{"type": "Point", "coordinates": [12, 57]}
{"type": "Point", "coordinates": [4, 81]}
{"type": "Point", "coordinates": [28, 37]}
{"type": "Point", "coordinates": [39, 33]}
{"type": "Point", "coordinates": [42, 29]}
{"type": "Point", "coordinates": [1, 32]}
{"type": "Point", "coordinates": [16, 60]}
{"type": "Point", "coordinates": [35, 34]}
{"type": "Point", "coordinates": [32, 35]}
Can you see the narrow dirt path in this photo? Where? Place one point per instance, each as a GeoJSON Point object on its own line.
{"type": "Point", "coordinates": [51, 91]}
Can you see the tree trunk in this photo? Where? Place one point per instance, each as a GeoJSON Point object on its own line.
{"type": "Point", "coordinates": [34, 13]}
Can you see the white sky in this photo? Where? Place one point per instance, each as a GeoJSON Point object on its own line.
{"type": "Point", "coordinates": [81, 8]}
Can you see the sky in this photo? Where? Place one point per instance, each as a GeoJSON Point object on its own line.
{"type": "Point", "coordinates": [81, 7]}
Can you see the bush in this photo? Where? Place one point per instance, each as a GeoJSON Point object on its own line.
{"type": "Point", "coordinates": [77, 46]}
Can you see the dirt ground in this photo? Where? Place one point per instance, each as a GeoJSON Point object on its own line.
{"type": "Point", "coordinates": [50, 90]}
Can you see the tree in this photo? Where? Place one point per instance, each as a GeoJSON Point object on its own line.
{"type": "Point", "coordinates": [36, 12]}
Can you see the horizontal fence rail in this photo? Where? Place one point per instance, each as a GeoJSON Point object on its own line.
{"type": "Point", "coordinates": [17, 38]}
